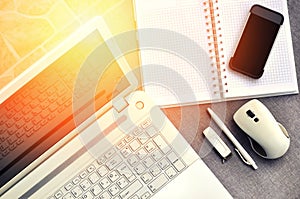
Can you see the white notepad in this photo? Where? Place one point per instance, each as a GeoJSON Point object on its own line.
{"type": "Point", "coordinates": [215, 26]}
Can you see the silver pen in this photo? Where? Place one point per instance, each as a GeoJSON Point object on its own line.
{"type": "Point", "coordinates": [241, 151]}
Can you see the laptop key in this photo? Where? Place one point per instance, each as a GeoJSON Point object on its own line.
{"type": "Point", "coordinates": [113, 176]}
{"type": "Point", "coordinates": [4, 145]}
{"type": "Point", "coordinates": [122, 182]}
{"type": "Point", "coordinates": [163, 163]}
{"type": "Point", "coordinates": [10, 123]}
{"type": "Point", "coordinates": [150, 147]}
{"type": "Point", "coordinates": [10, 113]}
{"type": "Point", "coordinates": [96, 190]}
{"type": "Point", "coordinates": [102, 171]}
{"type": "Point", "coordinates": [91, 168]}
{"type": "Point", "coordinates": [68, 186]}
{"type": "Point", "coordinates": [76, 180]}
{"type": "Point", "coordinates": [4, 136]}
{"type": "Point", "coordinates": [17, 117]}
{"type": "Point", "coordinates": [28, 117]}
{"type": "Point", "coordinates": [132, 189]}
{"type": "Point", "coordinates": [148, 162]}
{"type": "Point", "coordinates": [141, 153]}
{"type": "Point", "coordinates": [126, 152]}
{"type": "Point", "coordinates": [85, 185]}
{"type": "Point", "coordinates": [10, 105]}
{"type": "Point", "coordinates": [68, 196]}
{"type": "Point", "coordinates": [157, 183]}
{"type": "Point", "coordinates": [161, 143]}
{"type": "Point", "coordinates": [29, 125]}
{"type": "Point", "coordinates": [112, 163]}
{"type": "Point", "coordinates": [58, 194]}
{"type": "Point", "coordinates": [131, 178]}
{"type": "Point", "coordinates": [105, 195]}
{"type": "Point", "coordinates": [139, 169]}
{"type": "Point", "coordinates": [104, 183]}
{"type": "Point", "coordinates": [146, 123]}
{"type": "Point", "coordinates": [134, 145]}
{"type": "Point", "coordinates": [42, 97]}
{"type": "Point", "coordinates": [109, 153]}
{"type": "Point", "coordinates": [155, 170]}
{"type": "Point", "coordinates": [113, 190]}
{"type": "Point", "coordinates": [143, 138]}
{"type": "Point", "coordinates": [136, 131]}
{"type": "Point", "coordinates": [170, 172]}
{"type": "Point", "coordinates": [12, 146]}
{"type": "Point", "coordinates": [146, 177]}
{"type": "Point", "coordinates": [77, 191]}
{"type": "Point", "coordinates": [26, 110]}
{"type": "Point", "coordinates": [20, 124]}
{"type": "Point", "coordinates": [145, 195]}
{"type": "Point", "coordinates": [87, 195]}
{"type": "Point", "coordinates": [121, 144]}
{"type": "Point", "coordinates": [125, 171]}
{"type": "Point", "coordinates": [5, 152]}
{"type": "Point", "coordinates": [132, 160]}
{"type": "Point", "coordinates": [179, 165]}
{"type": "Point", "coordinates": [29, 133]}
{"type": "Point", "coordinates": [94, 178]}
{"type": "Point", "coordinates": [156, 155]}
{"type": "Point", "coordinates": [101, 160]}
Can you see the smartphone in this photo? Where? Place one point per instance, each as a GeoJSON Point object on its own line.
{"type": "Point", "coordinates": [256, 42]}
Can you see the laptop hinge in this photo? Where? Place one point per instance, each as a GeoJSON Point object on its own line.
{"type": "Point", "coordinates": [120, 104]}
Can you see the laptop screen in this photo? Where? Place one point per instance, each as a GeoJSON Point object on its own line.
{"type": "Point", "coordinates": [40, 113]}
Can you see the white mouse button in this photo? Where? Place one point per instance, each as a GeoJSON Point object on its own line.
{"type": "Point", "coordinates": [250, 114]}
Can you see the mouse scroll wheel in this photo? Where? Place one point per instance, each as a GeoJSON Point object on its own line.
{"type": "Point", "coordinates": [284, 131]}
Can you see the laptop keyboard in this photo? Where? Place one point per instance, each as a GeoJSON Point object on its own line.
{"type": "Point", "coordinates": [137, 167]}
{"type": "Point", "coordinates": [30, 115]}
{"type": "Point", "coordinates": [42, 112]}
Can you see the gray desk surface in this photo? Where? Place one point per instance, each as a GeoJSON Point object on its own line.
{"type": "Point", "coordinates": [274, 178]}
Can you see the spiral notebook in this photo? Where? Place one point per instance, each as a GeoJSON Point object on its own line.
{"type": "Point", "coordinates": [175, 72]}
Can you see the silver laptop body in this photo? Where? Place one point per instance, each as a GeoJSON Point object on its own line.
{"type": "Point", "coordinates": [127, 148]}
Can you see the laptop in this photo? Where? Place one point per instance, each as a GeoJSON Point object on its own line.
{"type": "Point", "coordinates": [74, 125]}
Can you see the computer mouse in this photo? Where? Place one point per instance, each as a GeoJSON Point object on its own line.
{"type": "Point", "coordinates": [268, 138]}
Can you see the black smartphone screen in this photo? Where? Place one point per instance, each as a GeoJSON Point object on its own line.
{"type": "Point", "coordinates": [256, 41]}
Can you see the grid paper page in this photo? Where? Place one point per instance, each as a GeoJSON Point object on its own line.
{"type": "Point", "coordinates": [279, 76]}
{"type": "Point", "coordinates": [169, 79]}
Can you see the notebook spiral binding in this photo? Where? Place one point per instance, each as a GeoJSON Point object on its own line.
{"type": "Point", "coordinates": [215, 43]}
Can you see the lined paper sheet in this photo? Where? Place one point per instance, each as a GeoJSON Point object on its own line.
{"type": "Point", "coordinates": [171, 80]}
{"type": "Point", "coordinates": [176, 81]}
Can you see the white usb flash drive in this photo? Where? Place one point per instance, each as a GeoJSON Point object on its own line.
{"type": "Point", "coordinates": [217, 143]}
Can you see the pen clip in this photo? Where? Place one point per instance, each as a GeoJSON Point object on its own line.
{"type": "Point", "coordinates": [242, 157]}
